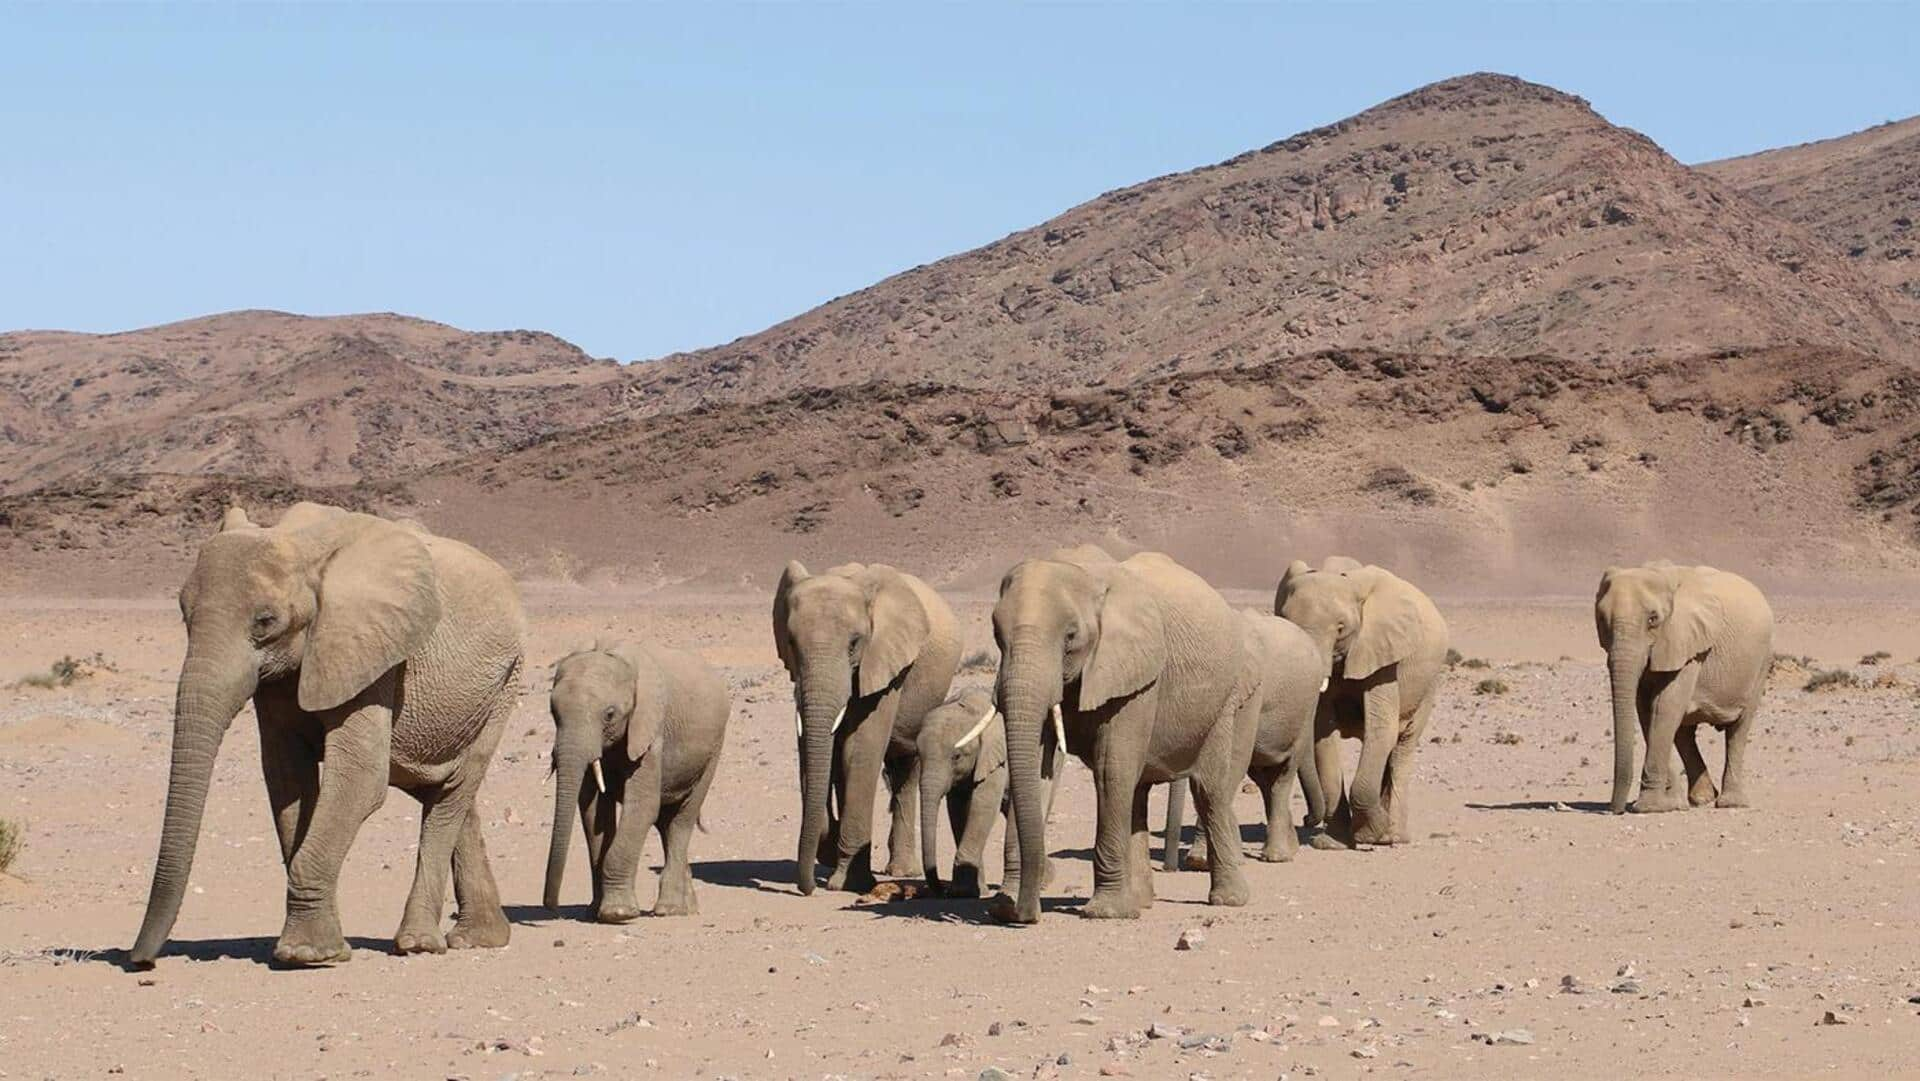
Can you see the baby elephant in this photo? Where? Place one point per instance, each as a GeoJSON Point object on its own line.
{"type": "Point", "coordinates": [1290, 673]}
{"type": "Point", "coordinates": [637, 734]}
{"type": "Point", "coordinates": [963, 759]}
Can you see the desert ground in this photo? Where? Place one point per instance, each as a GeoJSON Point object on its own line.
{"type": "Point", "coordinates": [1526, 932]}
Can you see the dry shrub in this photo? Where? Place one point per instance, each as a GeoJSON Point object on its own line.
{"type": "Point", "coordinates": [1491, 686]}
{"type": "Point", "coordinates": [1833, 679]}
{"type": "Point", "coordinates": [13, 836]}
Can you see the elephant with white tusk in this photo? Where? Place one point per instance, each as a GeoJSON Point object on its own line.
{"type": "Point", "coordinates": [1289, 669]}
{"type": "Point", "coordinates": [1685, 646]}
{"type": "Point", "coordinates": [392, 655]}
{"type": "Point", "coordinates": [637, 735]}
{"type": "Point", "coordinates": [1384, 646]}
{"type": "Point", "coordinates": [870, 650]}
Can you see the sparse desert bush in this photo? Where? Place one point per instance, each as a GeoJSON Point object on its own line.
{"type": "Point", "coordinates": [1789, 664]}
{"type": "Point", "coordinates": [66, 671]}
{"type": "Point", "coordinates": [1454, 658]}
{"type": "Point", "coordinates": [12, 836]}
{"type": "Point", "coordinates": [1476, 662]}
{"type": "Point", "coordinates": [1833, 679]}
{"type": "Point", "coordinates": [1507, 739]}
{"type": "Point", "coordinates": [979, 660]}
{"type": "Point", "coordinates": [1491, 686]}
{"type": "Point", "coordinates": [1878, 656]}
{"type": "Point", "coordinates": [1885, 681]}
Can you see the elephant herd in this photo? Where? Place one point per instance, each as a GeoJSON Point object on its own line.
{"type": "Point", "coordinates": [394, 657]}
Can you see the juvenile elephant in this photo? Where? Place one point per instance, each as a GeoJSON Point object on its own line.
{"type": "Point", "coordinates": [870, 650]}
{"type": "Point", "coordinates": [1143, 660]}
{"type": "Point", "coordinates": [389, 653]}
{"type": "Point", "coordinates": [1685, 646]}
{"type": "Point", "coordinates": [1385, 648]}
{"type": "Point", "coordinates": [636, 741]}
{"type": "Point", "coordinates": [963, 760]}
{"type": "Point", "coordinates": [1291, 676]}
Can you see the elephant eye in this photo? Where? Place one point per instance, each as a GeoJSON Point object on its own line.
{"type": "Point", "coordinates": [1653, 619]}
{"type": "Point", "coordinates": [608, 716]}
{"type": "Point", "coordinates": [262, 623]}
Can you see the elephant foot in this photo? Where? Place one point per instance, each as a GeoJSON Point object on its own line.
{"type": "Point", "coordinates": [1702, 793]}
{"type": "Point", "coordinates": [1326, 842]}
{"type": "Point", "coordinates": [681, 905]}
{"type": "Point", "coordinates": [426, 940]}
{"type": "Point", "coordinates": [852, 878]}
{"type": "Point", "coordinates": [618, 908]}
{"type": "Point", "coordinates": [317, 942]}
{"type": "Point", "coordinates": [1232, 893]}
{"type": "Point", "coordinates": [966, 883]}
{"type": "Point", "coordinates": [1372, 835]}
{"type": "Point", "coordinates": [477, 932]}
{"type": "Point", "coordinates": [1006, 910]}
{"type": "Point", "coordinates": [1110, 906]}
{"type": "Point", "coordinates": [903, 868]}
{"type": "Point", "coordinates": [1276, 854]}
{"type": "Point", "coordinates": [1732, 799]}
{"type": "Point", "coordinates": [1657, 802]}
{"type": "Point", "coordinates": [1195, 860]}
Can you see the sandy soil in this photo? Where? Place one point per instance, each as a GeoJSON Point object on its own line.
{"type": "Point", "coordinates": [1710, 943]}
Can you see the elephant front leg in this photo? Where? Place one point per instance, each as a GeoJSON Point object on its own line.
{"type": "Point", "coordinates": [973, 825]}
{"type": "Point", "coordinates": [1660, 789]}
{"type": "Point", "coordinates": [640, 809]}
{"type": "Point", "coordinates": [903, 787]}
{"type": "Point", "coordinates": [291, 767]}
{"type": "Point", "coordinates": [1372, 822]}
{"type": "Point", "coordinates": [352, 787]}
{"type": "Point", "coordinates": [864, 751]}
{"type": "Point", "coordinates": [1700, 790]}
{"type": "Point", "coordinates": [1337, 823]}
{"type": "Point", "coordinates": [1118, 754]}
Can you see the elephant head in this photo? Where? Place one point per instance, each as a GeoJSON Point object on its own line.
{"type": "Point", "coordinates": [1076, 628]}
{"type": "Point", "coordinates": [332, 599]}
{"type": "Point", "coordinates": [962, 740]}
{"type": "Point", "coordinates": [608, 708]}
{"type": "Point", "coordinates": [1361, 618]}
{"type": "Point", "coordinates": [843, 634]}
{"type": "Point", "coordinates": [1654, 618]}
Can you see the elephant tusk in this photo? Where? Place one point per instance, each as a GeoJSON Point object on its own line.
{"type": "Point", "coordinates": [599, 778]}
{"type": "Point", "coordinates": [974, 732]}
{"type": "Point", "coordinates": [1059, 729]}
{"type": "Point", "coordinates": [838, 717]}
{"type": "Point", "coordinates": [1323, 684]}
{"type": "Point", "coordinates": [798, 728]}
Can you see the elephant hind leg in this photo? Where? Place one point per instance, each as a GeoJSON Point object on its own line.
{"type": "Point", "coordinates": [291, 766]}
{"type": "Point", "coordinates": [1733, 781]}
{"type": "Point", "coordinates": [675, 896]}
{"type": "Point", "coordinates": [903, 788]}
{"type": "Point", "coordinates": [479, 922]}
{"type": "Point", "coordinates": [1276, 788]}
{"type": "Point", "coordinates": [1700, 790]}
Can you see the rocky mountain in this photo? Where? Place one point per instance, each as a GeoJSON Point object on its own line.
{"type": "Point", "coordinates": [311, 400]}
{"type": "Point", "coordinates": [1483, 215]}
{"type": "Point", "coordinates": [1860, 193]}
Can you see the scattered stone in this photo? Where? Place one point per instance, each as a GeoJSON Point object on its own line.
{"type": "Point", "coordinates": [1208, 1041]}
{"type": "Point", "coordinates": [1369, 1051]}
{"type": "Point", "coordinates": [1064, 1059]}
{"type": "Point", "coordinates": [1510, 1038]}
{"type": "Point", "coordinates": [1158, 1031]}
{"type": "Point", "coordinates": [995, 1029]}
{"type": "Point", "coordinates": [1831, 1018]}
{"type": "Point", "coordinates": [994, 1073]}
{"type": "Point", "coordinates": [1087, 1019]}
{"type": "Point", "coordinates": [1625, 970]}
{"type": "Point", "coordinates": [1626, 987]}
{"type": "Point", "coordinates": [1191, 939]}
{"type": "Point", "coordinates": [1114, 1069]}
{"type": "Point", "coordinates": [1329, 1021]}
{"type": "Point", "coordinates": [955, 1039]}
{"type": "Point", "coordinates": [1752, 1002]}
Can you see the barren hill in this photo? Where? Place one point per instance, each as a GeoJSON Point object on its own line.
{"type": "Point", "coordinates": [1482, 215]}
{"type": "Point", "coordinates": [318, 400]}
{"type": "Point", "coordinates": [1860, 193]}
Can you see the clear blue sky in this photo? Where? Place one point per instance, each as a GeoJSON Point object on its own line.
{"type": "Point", "coordinates": [644, 180]}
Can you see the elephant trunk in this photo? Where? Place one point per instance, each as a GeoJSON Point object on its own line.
{"type": "Point", "coordinates": [1626, 661]}
{"type": "Point", "coordinates": [826, 690]}
{"type": "Point", "coordinates": [1029, 687]}
{"type": "Point", "coordinates": [936, 780]}
{"type": "Point", "coordinates": [571, 760]}
{"type": "Point", "coordinates": [215, 683]}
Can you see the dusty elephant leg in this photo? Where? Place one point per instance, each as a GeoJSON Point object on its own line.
{"type": "Point", "coordinates": [972, 825]}
{"type": "Point", "coordinates": [1050, 767]}
{"type": "Point", "coordinates": [675, 896]}
{"type": "Point", "coordinates": [903, 788]}
{"type": "Point", "coordinates": [1139, 864]}
{"type": "Point", "coordinates": [1213, 804]}
{"type": "Point", "coordinates": [1700, 790]}
{"type": "Point", "coordinates": [292, 771]}
{"type": "Point", "coordinates": [1337, 826]}
{"type": "Point", "coordinates": [1372, 824]}
{"type": "Point", "coordinates": [1733, 778]}
{"type": "Point", "coordinates": [1196, 858]}
{"type": "Point", "coordinates": [1276, 788]}
{"type": "Point", "coordinates": [352, 786]}
{"type": "Point", "coordinates": [479, 922]}
{"type": "Point", "coordinates": [853, 859]}
{"type": "Point", "coordinates": [1170, 834]}
{"type": "Point", "coordinates": [598, 815]}
{"type": "Point", "coordinates": [1659, 788]}
{"type": "Point", "coordinates": [1116, 775]}
{"type": "Point", "coordinates": [1397, 792]}
{"type": "Point", "coordinates": [444, 810]}
{"type": "Point", "coordinates": [639, 812]}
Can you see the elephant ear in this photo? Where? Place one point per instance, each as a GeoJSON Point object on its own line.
{"type": "Point", "coordinates": [1131, 649]}
{"type": "Point", "coordinates": [1697, 622]}
{"type": "Point", "coordinates": [304, 514]}
{"type": "Point", "coordinates": [379, 599]}
{"type": "Point", "coordinates": [1600, 621]}
{"type": "Point", "coordinates": [1287, 581]}
{"type": "Point", "coordinates": [782, 641]}
{"type": "Point", "coordinates": [1389, 623]}
{"type": "Point", "coordinates": [900, 630]}
{"type": "Point", "coordinates": [648, 725]}
{"type": "Point", "coordinates": [993, 750]}
{"type": "Point", "coordinates": [1340, 565]}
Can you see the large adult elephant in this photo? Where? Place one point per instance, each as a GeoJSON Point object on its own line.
{"type": "Point", "coordinates": [392, 655]}
{"type": "Point", "coordinates": [1385, 647]}
{"type": "Point", "coordinates": [1143, 660]}
{"type": "Point", "coordinates": [1291, 674]}
{"type": "Point", "coordinates": [1685, 646]}
{"type": "Point", "coordinates": [870, 650]}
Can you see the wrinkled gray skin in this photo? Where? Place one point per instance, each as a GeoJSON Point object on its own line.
{"type": "Point", "coordinates": [1145, 661]}
{"type": "Point", "coordinates": [1385, 647]}
{"type": "Point", "coordinates": [1685, 646]}
{"type": "Point", "coordinates": [654, 719]}
{"type": "Point", "coordinates": [971, 777]}
{"type": "Point", "coordinates": [391, 654]}
{"type": "Point", "coordinates": [879, 644]}
{"type": "Point", "coordinates": [1290, 670]}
